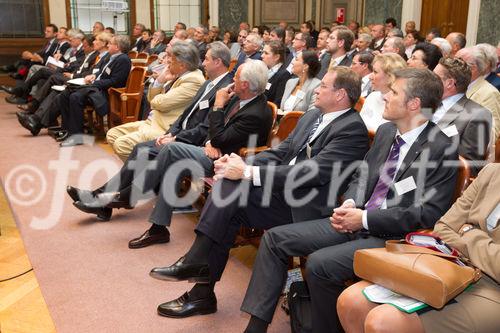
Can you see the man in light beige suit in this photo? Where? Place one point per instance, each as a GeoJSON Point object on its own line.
{"type": "Point", "coordinates": [480, 90]}
{"type": "Point", "coordinates": [472, 226]}
{"type": "Point", "coordinates": [166, 107]}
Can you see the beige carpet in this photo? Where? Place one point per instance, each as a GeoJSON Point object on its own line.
{"type": "Point", "coordinates": [90, 280]}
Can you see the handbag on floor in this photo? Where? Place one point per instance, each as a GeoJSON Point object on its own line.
{"type": "Point", "coordinates": [418, 272]}
{"type": "Point", "coordinates": [299, 304]}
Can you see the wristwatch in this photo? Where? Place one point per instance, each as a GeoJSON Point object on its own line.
{"type": "Point", "coordinates": [465, 228]}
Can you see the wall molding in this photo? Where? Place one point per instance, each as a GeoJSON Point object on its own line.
{"type": "Point", "coordinates": [472, 22]}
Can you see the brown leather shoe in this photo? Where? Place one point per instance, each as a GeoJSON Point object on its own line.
{"type": "Point", "coordinates": [147, 239]}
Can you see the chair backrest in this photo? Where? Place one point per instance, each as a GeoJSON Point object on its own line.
{"type": "Point", "coordinates": [232, 64]}
{"type": "Point", "coordinates": [132, 54]}
{"type": "Point", "coordinates": [135, 81]}
{"type": "Point", "coordinates": [142, 55]}
{"type": "Point", "coordinates": [497, 151]}
{"type": "Point", "coordinates": [287, 124]}
{"type": "Point", "coordinates": [359, 104]}
{"type": "Point", "coordinates": [152, 58]}
{"type": "Point", "coordinates": [371, 136]}
{"type": "Point", "coordinates": [274, 110]}
{"type": "Point", "coordinates": [463, 179]}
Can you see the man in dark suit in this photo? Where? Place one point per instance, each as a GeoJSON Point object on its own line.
{"type": "Point", "coordinates": [339, 43]}
{"type": "Point", "coordinates": [113, 73]}
{"type": "Point", "coordinates": [200, 33]}
{"type": "Point", "coordinates": [467, 123]}
{"type": "Point", "coordinates": [378, 34]}
{"type": "Point", "coordinates": [403, 185]}
{"type": "Point", "coordinates": [251, 50]}
{"type": "Point", "coordinates": [232, 122]}
{"type": "Point", "coordinates": [44, 110]}
{"type": "Point", "coordinates": [325, 142]}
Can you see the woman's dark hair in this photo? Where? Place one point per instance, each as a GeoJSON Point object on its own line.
{"type": "Point", "coordinates": [416, 36]}
{"type": "Point", "coordinates": [280, 32]}
{"type": "Point", "coordinates": [277, 47]}
{"type": "Point", "coordinates": [309, 26]}
{"type": "Point", "coordinates": [310, 58]}
{"type": "Point", "coordinates": [233, 38]}
{"type": "Point", "coordinates": [432, 54]}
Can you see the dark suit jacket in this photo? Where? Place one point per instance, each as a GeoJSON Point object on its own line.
{"type": "Point", "coordinates": [202, 48]}
{"type": "Point", "coordinates": [278, 81]}
{"type": "Point", "coordinates": [74, 63]}
{"type": "Point", "coordinates": [48, 51]}
{"type": "Point", "coordinates": [494, 80]}
{"type": "Point", "coordinates": [342, 142]}
{"type": "Point", "coordinates": [197, 125]}
{"type": "Point", "coordinates": [379, 48]}
{"type": "Point", "coordinates": [242, 58]}
{"type": "Point", "coordinates": [86, 67]}
{"type": "Point", "coordinates": [95, 65]}
{"type": "Point", "coordinates": [253, 118]}
{"type": "Point", "coordinates": [325, 63]}
{"type": "Point", "coordinates": [473, 123]}
{"type": "Point", "coordinates": [62, 48]}
{"type": "Point", "coordinates": [426, 162]}
{"type": "Point", "coordinates": [119, 69]}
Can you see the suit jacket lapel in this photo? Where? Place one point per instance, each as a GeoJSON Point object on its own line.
{"type": "Point", "coordinates": [452, 114]}
{"type": "Point", "coordinates": [414, 151]}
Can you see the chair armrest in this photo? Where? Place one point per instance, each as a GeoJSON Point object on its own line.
{"type": "Point", "coordinates": [245, 151]}
{"type": "Point", "coordinates": [116, 90]}
{"type": "Point", "coordinates": [126, 96]}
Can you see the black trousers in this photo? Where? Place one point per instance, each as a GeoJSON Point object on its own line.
{"type": "Point", "coordinates": [329, 265]}
{"type": "Point", "coordinates": [221, 224]}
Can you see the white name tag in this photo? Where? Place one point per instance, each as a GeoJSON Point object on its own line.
{"type": "Point", "coordinates": [301, 94]}
{"type": "Point", "coordinates": [86, 65]}
{"type": "Point", "coordinates": [95, 70]}
{"type": "Point", "coordinates": [66, 56]}
{"type": "Point", "coordinates": [204, 104]}
{"type": "Point", "coordinates": [108, 71]}
{"type": "Point", "coordinates": [493, 218]}
{"type": "Point", "coordinates": [405, 186]}
{"type": "Point", "coordinates": [72, 59]}
{"type": "Point", "coordinates": [450, 131]}
{"type": "Point", "coordinates": [268, 86]}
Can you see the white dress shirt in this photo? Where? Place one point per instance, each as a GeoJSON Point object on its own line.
{"type": "Point", "coordinates": [446, 104]}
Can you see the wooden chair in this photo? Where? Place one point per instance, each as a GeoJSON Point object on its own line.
{"type": "Point", "coordinates": [142, 55]}
{"type": "Point", "coordinates": [497, 151]}
{"type": "Point", "coordinates": [359, 104]}
{"type": "Point", "coordinates": [287, 124]}
{"type": "Point", "coordinates": [371, 136]}
{"type": "Point", "coordinates": [95, 125]}
{"type": "Point", "coordinates": [246, 151]}
{"type": "Point", "coordinates": [151, 59]}
{"type": "Point", "coordinates": [132, 54]}
{"type": "Point", "coordinates": [464, 178]}
{"type": "Point", "coordinates": [232, 64]}
{"type": "Point", "coordinates": [125, 103]}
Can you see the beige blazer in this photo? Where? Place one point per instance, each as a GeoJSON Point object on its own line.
{"type": "Point", "coordinates": [485, 94]}
{"type": "Point", "coordinates": [167, 107]}
{"type": "Point", "coordinates": [480, 245]}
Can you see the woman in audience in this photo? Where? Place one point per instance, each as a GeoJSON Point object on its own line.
{"type": "Point", "coordinates": [273, 56]}
{"type": "Point", "coordinates": [384, 65]}
{"type": "Point", "coordinates": [146, 38]}
{"type": "Point", "coordinates": [425, 55]}
{"type": "Point", "coordinates": [299, 91]}
{"type": "Point", "coordinates": [410, 40]}
{"type": "Point", "coordinates": [472, 226]}
{"type": "Point", "coordinates": [229, 38]}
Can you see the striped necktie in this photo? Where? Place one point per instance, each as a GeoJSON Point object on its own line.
{"type": "Point", "coordinates": [386, 177]}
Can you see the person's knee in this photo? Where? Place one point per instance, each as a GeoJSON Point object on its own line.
{"type": "Point", "coordinates": [122, 147]}
{"type": "Point", "coordinates": [315, 267]}
{"type": "Point", "coordinates": [111, 136]}
{"type": "Point", "coordinates": [347, 302]}
{"type": "Point", "coordinates": [378, 319]}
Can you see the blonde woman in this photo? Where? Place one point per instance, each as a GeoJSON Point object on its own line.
{"type": "Point", "coordinates": [384, 66]}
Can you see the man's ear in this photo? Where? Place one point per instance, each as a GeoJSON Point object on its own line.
{"type": "Point", "coordinates": [414, 104]}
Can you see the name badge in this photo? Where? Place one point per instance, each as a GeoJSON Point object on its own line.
{"type": "Point", "coordinates": [301, 94]}
{"type": "Point", "coordinates": [493, 219]}
{"type": "Point", "coordinates": [108, 71]}
{"type": "Point", "coordinates": [72, 59]}
{"type": "Point", "coordinates": [405, 185]}
{"type": "Point", "coordinates": [86, 65]}
{"type": "Point", "coordinates": [66, 56]}
{"type": "Point", "coordinates": [450, 131]}
{"type": "Point", "coordinates": [204, 104]}
{"type": "Point", "coordinates": [268, 86]}
{"type": "Point", "coordinates": [95, 70]}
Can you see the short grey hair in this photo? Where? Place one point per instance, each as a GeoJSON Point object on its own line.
{"type": "Point", "coordinates": [255, 73]}
{"type": "Point", "coordinates": [76, 33]}
{"type": "Point", "coordinates": [205, 30]}
{"type": "Point", "coordinates": [490, 53]}
{"type": "Point", "coordinates": [123, 42]}
{"type": "Point", "coordinates": [255, 38]}
{"type": "Point", "coordinates": [479, 58]}
{"type": "Point", "coordinates": [395, 32]}
{"type": "Point", "coordinates": [365, 37]}
{"type": "Point", "coordinates": [187, 53]}
{"type": "Point", "coordinates": [443, 44]}
{"type": "Point", "coordinates": [220, 51]}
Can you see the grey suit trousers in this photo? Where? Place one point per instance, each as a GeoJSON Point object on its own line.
{"type": "Point", "coordinates": [329, 265]}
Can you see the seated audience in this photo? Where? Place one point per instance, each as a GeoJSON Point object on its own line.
{"type": "Point", "coordinates": [200, 33]}
{"type": "Point", "coordinates": [384, 66]}
{"type": "Point", "coordinates": [97, 28]}
{"type": "Point", "coordinates": [362, 43]}
{"type": "Point", "coordinates": [410, 41]}
{"type": "Point", "coordinates": [252, 45]}
{"type": "Point", "coordinates": [299, 92]}
{"type": "Point", "coordinates": [396, 32]}
{"type": "Point", "coordinates": [184, 82]}
{"type": "Point", "coordinates": [137, 34]}
{"type": "Point", "coordinates": [457, 41]}
{"type": "Point", "coordinates": [390, 23]}
{"type": "Point", "coordinates": [490, 52]}
{"type": "Point", "coordinates": [335, 135]}
{"type": "Point", "coordinates": [373, 210]}
{"type": "Point", "coordinates": [394, 45]}
{"type": "Point", "coordinates": [469, 226]}
{"type": "Point", "coordinates": [237, 48]}
{"type": "Point", "coordinates": [146, 39]}
{"type": "Point", "coordinates": [378, 35]}
{"type": "Point", "coordinates": [339, 43]}
{"type": "Point", "coordinates": [425, 55]}
{"type": "Point", "coordinates": [433, 33]}
{"type": "Point", "coordinates": [71, 103]}
{"type": "Point", "coordinates": [443, 45]}
{"type": "Point", "coordinates": [273, 56]}
{"type": "Point", "coordinates": [157, 44]}
{"type": "Point", "coordinates": [362, 65]}
{"type": "Point", "coordinates": [410, 26]}
{"type": "Point", "coordinates": [229, 38]}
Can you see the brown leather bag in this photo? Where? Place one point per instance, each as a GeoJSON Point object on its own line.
{"type": "Point", "coordinates": [414, 271]}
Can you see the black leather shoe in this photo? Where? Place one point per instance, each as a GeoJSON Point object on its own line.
{"type": "Point", "coordinates": [112, 200]}
{"type": "Point", "coordinates": [7, 89]}
{"type": "Point", "coordinates": [183, 306]}
{"type": "Point", "coordinates": [61, 136]}
{"type": "Point", "coordinates": [31, 123]}
{"type": "Point", "coordinates": [29, 108]}
{"type": "Point", "coordinates": [103, 213]}
{"type": "Point", "coordinates": [15, 100]}
{"type": "Point", "coordinates": [71, 142]}
{"type": "Point", "coordinates": [147, 239]}
{"type": "Point", "coordinates": [181, 271]}
{"type": "Point", "coordinates": [22, 115]}
{"type": "Point", "coordinates": [80, 195]}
